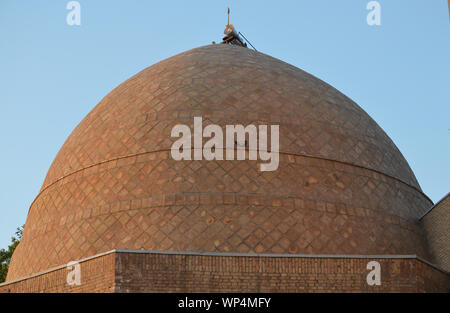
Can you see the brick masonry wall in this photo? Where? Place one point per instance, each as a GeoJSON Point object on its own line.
{"type": "Point", "coordinates": [97, 275]}
{"type": "Point", "coordinates": [431, 280]}
{"type": "Point", "coordinates": [145, 272]}
{"type": "Point", "coordinates": [437, 228]}
{"type": "Point", "coordinates": [131, 271]}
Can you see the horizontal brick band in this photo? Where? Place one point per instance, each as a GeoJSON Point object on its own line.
{"type": "Point", "coordinates": [135, 158]}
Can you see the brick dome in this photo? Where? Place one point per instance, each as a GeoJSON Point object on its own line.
{"type": "Point", "coordinates": [342, 186]}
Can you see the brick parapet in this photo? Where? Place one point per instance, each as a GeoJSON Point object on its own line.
{"type": "Point", "coordinates": [166, 271]}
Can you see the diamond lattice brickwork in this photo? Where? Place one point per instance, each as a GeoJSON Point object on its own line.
{"type": "Point", "coordinates": [342, 186]}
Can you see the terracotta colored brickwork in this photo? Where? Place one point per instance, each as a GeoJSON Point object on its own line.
{"type": "Point", "coordinates": [290, 220]}
{"type": "Point", "coordinates": [97, 275]}
{"type": "Point", "coordinates": [143, 272]}
{"type": "Point", "coordinates": [162, 272]}
{"type": "Point", "coordinates": [430, 280]}
{"type": "Point", "coordinates": [342, 186]}
{"type": "Point", "coordinates": [437, 229]}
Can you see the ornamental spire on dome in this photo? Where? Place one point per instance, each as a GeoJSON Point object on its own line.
{"type": "Point", "coordinates": [232, 36]}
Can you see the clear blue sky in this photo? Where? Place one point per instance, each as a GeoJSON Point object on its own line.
{"type": "Point", "coordinates": [52, 74]}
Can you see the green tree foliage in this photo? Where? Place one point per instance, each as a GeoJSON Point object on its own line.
{"type": "Point", "coordinates": [6, 254]}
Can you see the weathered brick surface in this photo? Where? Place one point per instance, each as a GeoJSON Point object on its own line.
{"type": "Point", "coordinates": [162, 272]}
{"type": "Point", "coordinates": [437, 228]}
{"type": "Point", "coordinates": [141, 272]}
{"type": "Point", "coordinates": [97, 275]}
{"type": "Point", "coordinates": [342, 186]}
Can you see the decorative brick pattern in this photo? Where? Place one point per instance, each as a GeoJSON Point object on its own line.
{"type": "Point", "coordinates": [342, 186]}
{"type": "Point", "coordinates": [228, 84]}
{"type": "Point", "coordinates": [287, 220]}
